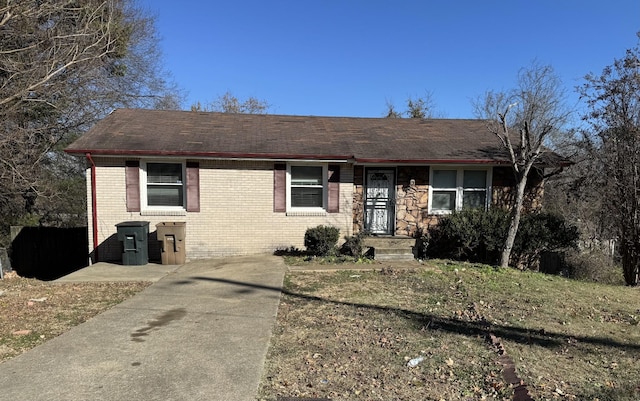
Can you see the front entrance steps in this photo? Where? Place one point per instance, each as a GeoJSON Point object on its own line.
{"type": "Point", "coordinates": [391, 248]}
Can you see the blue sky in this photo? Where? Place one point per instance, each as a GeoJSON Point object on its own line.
{"type": "Point", "coordinates": [351, 57]}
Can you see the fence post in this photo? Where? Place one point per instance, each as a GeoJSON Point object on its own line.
{"type": "Point", "coordinates": [15, 231]}
{"type": "Point", "coordinates": [5, 263]}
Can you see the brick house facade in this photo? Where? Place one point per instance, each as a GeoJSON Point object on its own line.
{"type": "Point", "coordinates": [247, 184]}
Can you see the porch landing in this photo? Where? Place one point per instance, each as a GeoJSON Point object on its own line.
{"type": "Point", "coordinates": [391, 248]}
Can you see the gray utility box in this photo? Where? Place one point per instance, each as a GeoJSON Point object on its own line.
{"type": "Point", "coordinates": [172, 235]}
{"type": "Point", "coordinates": [134, 237]}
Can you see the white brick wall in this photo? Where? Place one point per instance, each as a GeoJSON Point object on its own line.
{"type": "Point", "coordinates": [236, 211]}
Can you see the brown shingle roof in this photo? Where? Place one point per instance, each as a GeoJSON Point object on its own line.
{"type": "Point", "coordinates": [197, 134]}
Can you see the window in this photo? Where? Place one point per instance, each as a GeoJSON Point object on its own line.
{"type": "Point", "coordinates": [474, 189]}
{"type": "Point", "coordinates": [164, 185]}
{"type": "Point", "coordinates": [454, 189]}
{"type": "Point", "coordinates": [307, 186]}
{"type": "Point", "coordinates": [443, 197]}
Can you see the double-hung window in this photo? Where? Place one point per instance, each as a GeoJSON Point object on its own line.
{"type": "Point", "coordinates": [474, 189]}
{"type": "Point", "coordinates": [306, 189]}
{"type": "Point", "coordinates": [457, 188]}
{"type": "Point", "coordinates": [164, 185]}
{"type": "Point", "coordinates": [307, 186]}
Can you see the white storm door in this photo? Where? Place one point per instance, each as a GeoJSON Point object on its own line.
{"type": "Point", "coordinates": [380, 202]}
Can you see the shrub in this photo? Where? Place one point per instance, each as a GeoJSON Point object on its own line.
{"type": "Point", "coordinates": [593, 266]}
{"type": "Point", "coordinates": [472, 235]}
{"type": "Point", "coordinates": [476, 235]}
{"type": "Point", "coordinates": [541, 232]}
{"type": "Point", "coordinates": [321, 240]}
{"type": "Point", "coordinates": [353, 245]}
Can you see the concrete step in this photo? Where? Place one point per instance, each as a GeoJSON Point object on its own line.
{"type": "Point", "coordinates": [391, 248]}
{"type": "Point", "coordinates": [390, 242]}
{"type": "Point", "coordinates": [387, 254]}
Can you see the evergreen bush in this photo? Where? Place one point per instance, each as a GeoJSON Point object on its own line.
{"type": "Point", "coordinates": [478, 236]}
{"type": "Point", "coordinates": [321, 240]}
{"type": "Point", "coordinates": [541, 232]}
{"type": "Point", "coordinates": [472, 235]}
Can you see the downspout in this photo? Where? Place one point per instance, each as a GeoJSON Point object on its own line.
{"type": "Point", "coordinates": [94, 211]}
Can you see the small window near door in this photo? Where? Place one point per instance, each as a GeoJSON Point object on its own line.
{"type": "Point", "coordinates": [307, 189]}
{"type": "Point", "coordinates": [165, 184]}
{"type": "Point", "coordinates": [455, 189]}
{"type": "Point", "coordinates": [445, 190]}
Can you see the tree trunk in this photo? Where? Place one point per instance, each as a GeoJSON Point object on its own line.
{"type": "Point", "coordinates": [516, 212]}
{"type": "Point", "coordinates": [630, 255]}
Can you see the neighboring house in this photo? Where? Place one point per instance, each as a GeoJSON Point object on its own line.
{"type": "Point", "coordinates": [249, 184]}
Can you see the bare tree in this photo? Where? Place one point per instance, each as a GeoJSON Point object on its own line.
{"type": "Point", "coordinates": [228, 103]}
{"type": "Point", "coordinates": [419, 107]}
{"type": "Point", "coordinates": [614, 141]}
{"type": "Point", "coordinates": [523, 119]}
{"type": "Point", "coordinates": [63, 65]}
{"type": "Point", "coordinates": [392, 112]}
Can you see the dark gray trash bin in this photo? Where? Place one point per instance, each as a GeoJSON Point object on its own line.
{"type": "Point", "coordinates": [134, 237]}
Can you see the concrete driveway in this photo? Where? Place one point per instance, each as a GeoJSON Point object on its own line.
{"type": "Point", "coordinates": [201, 332]}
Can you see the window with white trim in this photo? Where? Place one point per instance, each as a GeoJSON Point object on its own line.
{"type": "Point", "coordinates": [457, 188]}
{"type": "Point", "coordinates": [307, 187]}
{"type": "Point", "coordinates": [163, 185]}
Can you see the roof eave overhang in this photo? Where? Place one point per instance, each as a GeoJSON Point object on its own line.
{"type": "Point", "coordinates": [278, 157]}
{"type": "Point", "coordinates": [209, 155]}
{"type": "Point", "coordinates": [430, 161]}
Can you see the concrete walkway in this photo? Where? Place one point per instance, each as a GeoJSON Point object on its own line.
{"type": "Point", "coordinates": [199, 333]}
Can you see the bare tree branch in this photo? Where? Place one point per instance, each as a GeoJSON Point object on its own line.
{"type": "Point", "coordinates": [613, 141]}
{"type": "Point", "coordinates": [64, 64]}
{"type": "Point", "coordinates": [535, 109]}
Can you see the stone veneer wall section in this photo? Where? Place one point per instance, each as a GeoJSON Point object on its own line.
{"type": "Point", "coordinates": [504, 192]}
{"type": "Point", "coordinates": [412, 200]}
{"type": "Point", "coordinates": [358, 199]}
{"type": "Point", "coordinates": [236, 211]}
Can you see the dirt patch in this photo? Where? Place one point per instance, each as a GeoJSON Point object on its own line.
{"type": "Point", "coordinates": [32, 311]}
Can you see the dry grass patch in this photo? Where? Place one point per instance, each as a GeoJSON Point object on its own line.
{"type": "Point", "coordinates": [348, 335]}
{"type": "Point", "coordinates": [32, 311]}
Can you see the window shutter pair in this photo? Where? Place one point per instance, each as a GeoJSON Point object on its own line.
{"type": "Point", "coordinates": [280, 188]}
{"type": "Point", "coordinates": [132, 183]}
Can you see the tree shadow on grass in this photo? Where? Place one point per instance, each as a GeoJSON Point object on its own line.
{"type": "Point", "coordinates": [539, 337]}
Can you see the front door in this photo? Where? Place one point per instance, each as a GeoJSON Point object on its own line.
{"type": "Point", "coordinates": [380, 201]}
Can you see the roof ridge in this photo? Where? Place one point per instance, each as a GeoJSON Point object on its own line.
{"type": "Point", "coordinates": [292, 115]}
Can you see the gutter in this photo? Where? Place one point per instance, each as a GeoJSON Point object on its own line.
{"type": "Point", "coordinates": [94, 211]}
{"type": "Point", "coordinates": [431, 161]}
{"type": "Point", "coordinates": [212, 155]}
{"type": "Point", "coordinates": [283, 157]}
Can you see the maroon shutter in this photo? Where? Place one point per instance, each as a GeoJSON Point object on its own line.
{"type": "Point", "coordinates": [334, 189]}
{"type": "Point", "coordinates": [193, 187]}
{"type": "Point", "coordinates": [132, 184]}
{"type": "Point", "coordinates": [280, 188]}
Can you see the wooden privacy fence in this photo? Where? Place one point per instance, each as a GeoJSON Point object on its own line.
{"type": "Point", "coordinates": [47, 253]}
